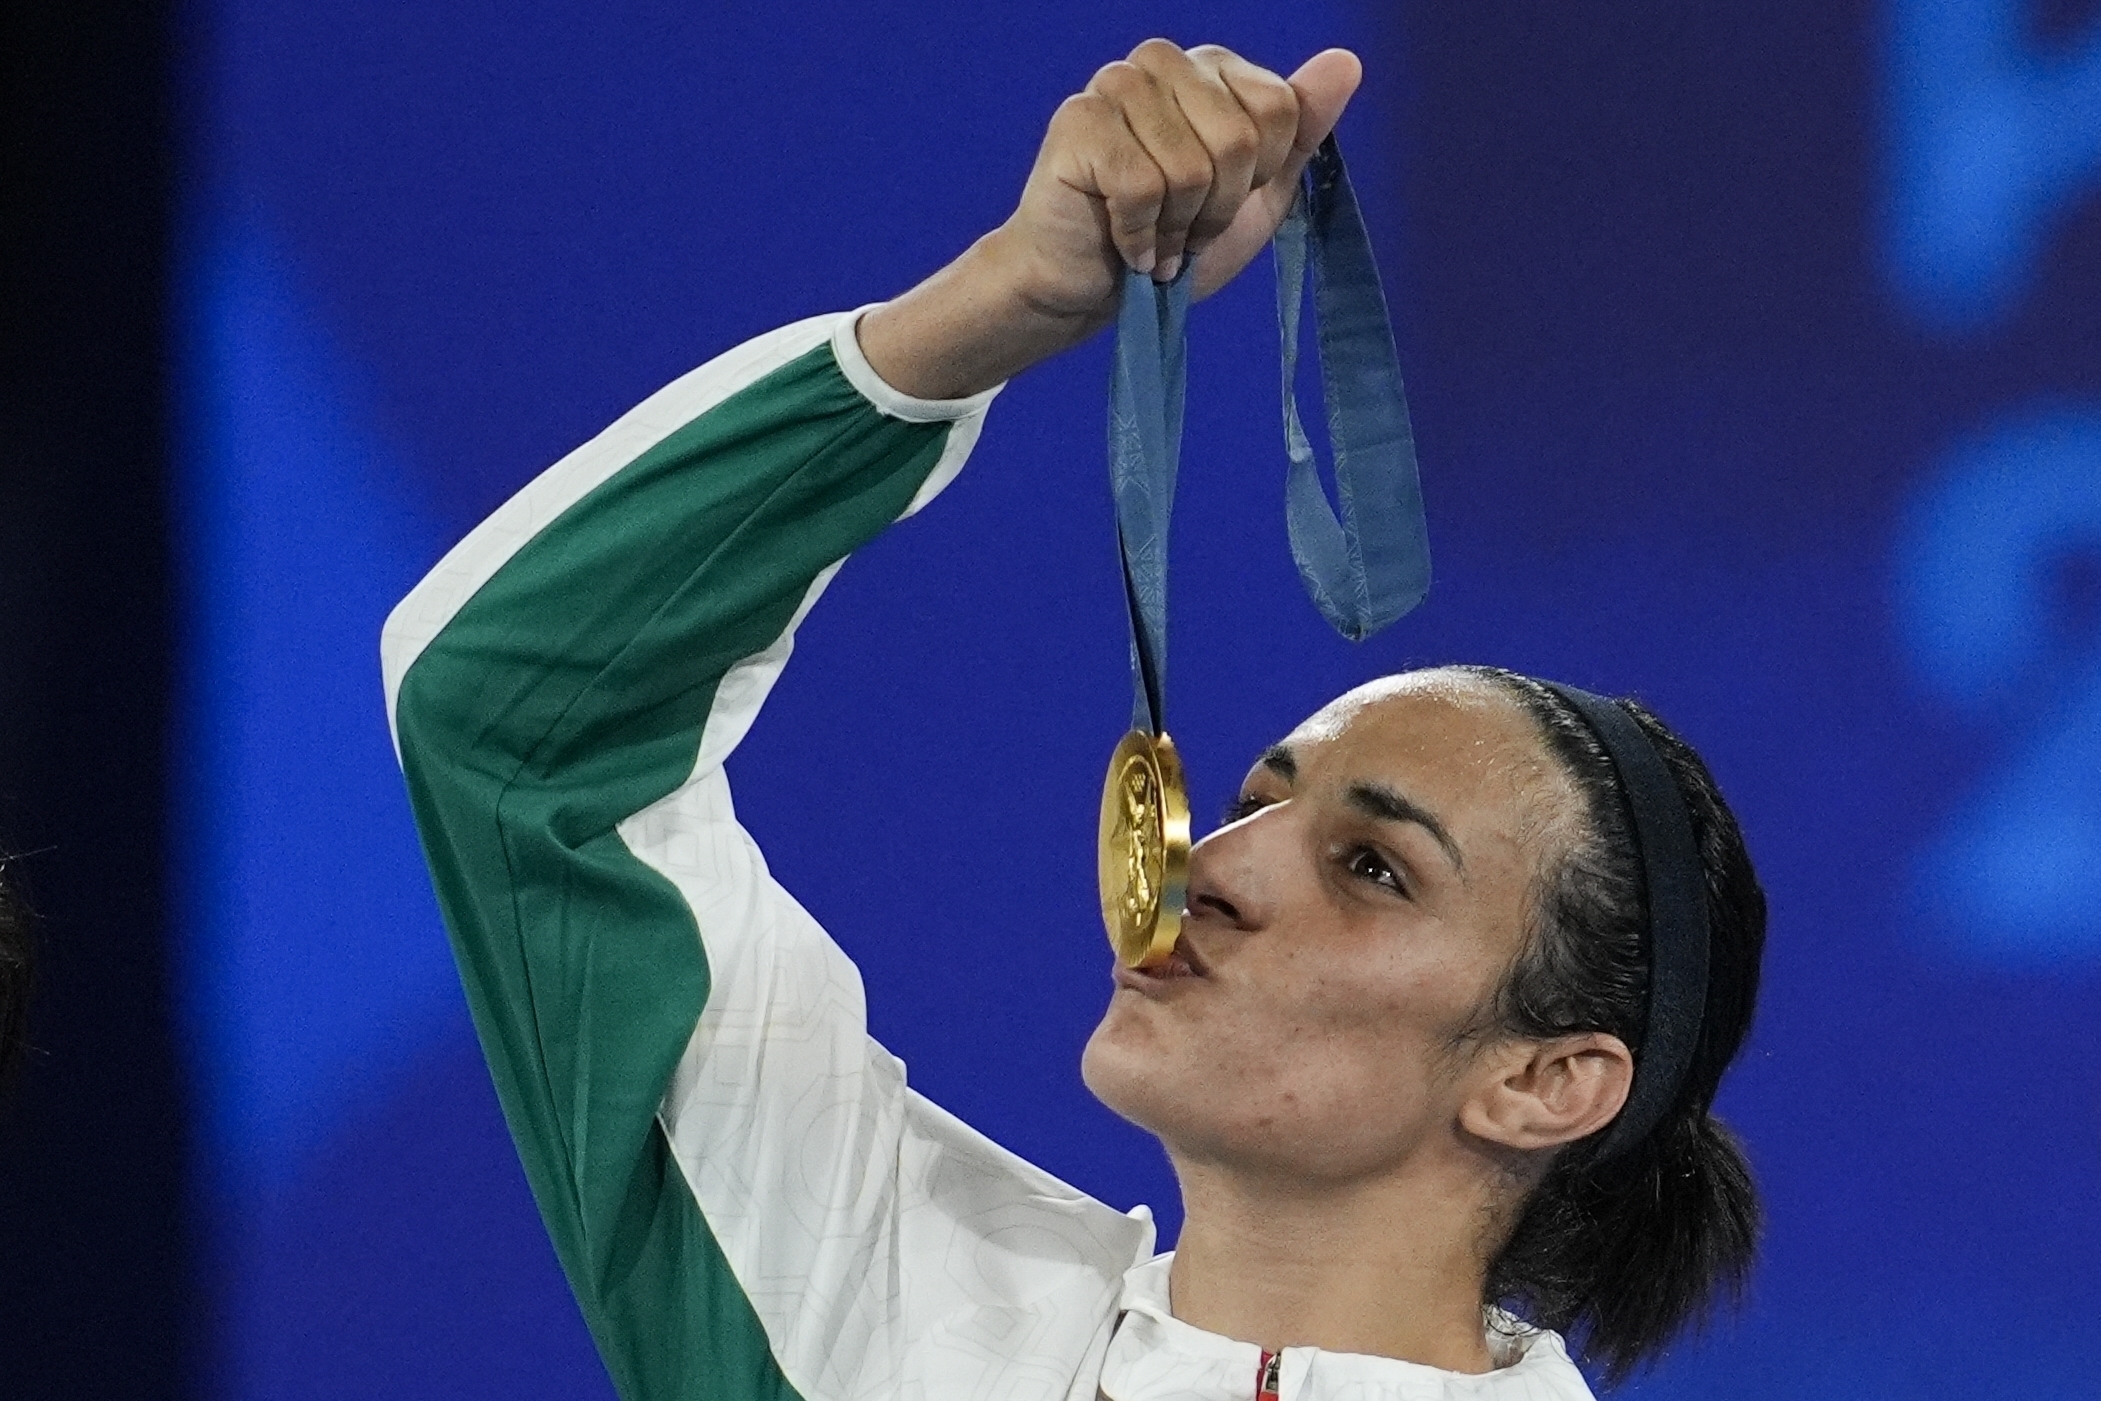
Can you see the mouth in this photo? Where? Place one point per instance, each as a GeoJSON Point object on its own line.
{"type": "Point", "coordinates": [1182, 962]}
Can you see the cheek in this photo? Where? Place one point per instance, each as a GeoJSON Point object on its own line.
{"type": "Point", "coordinates": [1348, 1077]}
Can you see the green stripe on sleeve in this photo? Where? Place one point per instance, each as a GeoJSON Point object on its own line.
{"type": "Point", "coordinates": [569, 693]}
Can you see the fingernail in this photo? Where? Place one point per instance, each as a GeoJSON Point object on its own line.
{"type": "Point", "coordinates": [1168, 269]}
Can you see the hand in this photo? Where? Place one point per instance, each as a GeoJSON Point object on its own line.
{"type": "Point", "coordinates": [1165, 154]}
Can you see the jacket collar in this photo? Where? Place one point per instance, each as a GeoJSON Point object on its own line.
{"type": "Point", "coordinates": [1154, 1356]}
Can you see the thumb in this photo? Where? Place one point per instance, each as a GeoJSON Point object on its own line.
{"type": "Point", "coordinates": [1324, 84]}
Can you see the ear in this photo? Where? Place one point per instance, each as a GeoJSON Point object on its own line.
{"type": "Point", "coordinates": [1542, 1094]}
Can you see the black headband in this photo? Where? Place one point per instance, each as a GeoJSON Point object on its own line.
{"type": "Point", "coordinates": [1678, 935]}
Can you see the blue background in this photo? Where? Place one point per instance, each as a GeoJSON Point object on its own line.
{"type": "Point", "coordinates": [1754, 369]}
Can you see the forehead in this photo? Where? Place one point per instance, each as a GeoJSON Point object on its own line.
{"type": "Point", "coordinates": [1454, 742]}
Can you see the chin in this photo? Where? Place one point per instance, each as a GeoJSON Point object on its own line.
{"type": "Point", "coordinates": [1157, 1082]}
{"type": "Point", "coordinates": [1128, 1070]}
{"type": "Point", "coordinates": [1161, 1096]}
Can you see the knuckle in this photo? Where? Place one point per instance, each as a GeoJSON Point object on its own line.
{"type": "Point", "coordinates": [1187, 177]}
{"type": "Point", "coordinates": [1157, 49]}
{"type": "Point", "coordinates": [1277, 105]}
{"type": "Point", "coordinates": [1080, 107]}
{"type": "Point", "coordinates": [1120, 79]}
{"type": "Point", "coordinates": [1135, 183]}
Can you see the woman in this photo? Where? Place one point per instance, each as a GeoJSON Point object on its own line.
{"type": "Point", "coordinates": [1427, 1047]}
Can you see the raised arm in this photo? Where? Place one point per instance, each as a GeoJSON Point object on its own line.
{"type": "Point", "coordinates": [1165, 153]}
{"type": "Point", "coordinates": [738, 1185]}
{"type": "Point", "coordinates": [564, 688]}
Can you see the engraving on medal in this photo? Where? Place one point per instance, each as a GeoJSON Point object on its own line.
{"type": "Point", "coordinates": [1138, 831]}
{"type": "Point", "coordinates": [1144, 856]}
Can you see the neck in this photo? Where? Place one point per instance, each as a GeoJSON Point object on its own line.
{"type": "Point", "coordinates": [1392, 1268]}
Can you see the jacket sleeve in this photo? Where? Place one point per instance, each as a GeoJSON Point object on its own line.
{"type": "Point", "coordinates": [564, 687]}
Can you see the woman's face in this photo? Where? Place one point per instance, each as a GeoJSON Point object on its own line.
{"type": "Point", "coordinates": [1343, 930]}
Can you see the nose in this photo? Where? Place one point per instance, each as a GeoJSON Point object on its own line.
{"type": "Point", "coordinates": [1232, 872]}
{"type": "Point", "coordinates": [1206, 901]}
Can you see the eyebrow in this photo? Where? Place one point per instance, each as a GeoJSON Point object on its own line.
{"type": "Point", "coordinates": [1279, 760]}
{"type": "Point", "coordinates": [1374, 800]}
{"type": "Point", "coordinates": [1379, 801]}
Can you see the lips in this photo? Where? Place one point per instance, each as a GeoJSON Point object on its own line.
{"type": "Point", "coordinates": [1185, 956]}
{"type": "Point", "coordinates": [1183, 961]}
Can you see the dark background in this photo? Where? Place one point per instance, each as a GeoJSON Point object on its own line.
{"type": "Point", "coordinates": [1741, 383]}
{"type": "Point", "coordinates": [94, 1150]}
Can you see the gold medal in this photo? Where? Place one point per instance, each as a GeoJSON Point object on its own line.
{"type": "Point", "coordinates": [1144, 860]}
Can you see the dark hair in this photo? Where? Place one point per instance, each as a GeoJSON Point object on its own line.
{"type": "Point", "coordinates": [1622, 1254]}
{"type": "Point", "coordinates": [17, 972]}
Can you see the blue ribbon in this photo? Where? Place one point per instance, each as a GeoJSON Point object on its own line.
{"type": "Point", "coordinates": [1362, 568]}
{"type": "Point", "coordinates": [1146, 394]}
{"type": "Point", "coordinates": [1373, 565]}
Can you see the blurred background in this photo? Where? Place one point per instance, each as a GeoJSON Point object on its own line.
{"type": "Point", "coordinates": [1755, 370]}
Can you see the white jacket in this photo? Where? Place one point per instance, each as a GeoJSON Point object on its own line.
{"type": "Point", "coordinates": [746, 1196]}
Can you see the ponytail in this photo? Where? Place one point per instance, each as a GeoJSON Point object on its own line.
{"type": "Point", "coordinates": [1622, 1255]}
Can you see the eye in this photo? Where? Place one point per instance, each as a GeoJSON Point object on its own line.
{"type": "Point", "coordinates": [1367, 865]}
{"type": "Point", "coordinates": [1246, 805]}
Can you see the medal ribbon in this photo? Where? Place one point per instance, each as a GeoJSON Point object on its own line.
{"type": "Point", "coordinates": [1146, 394]}
{"type": "Point", "coordinates": [1373, 565]}
{"type": "Point", "coordinates": [1363, 568]}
